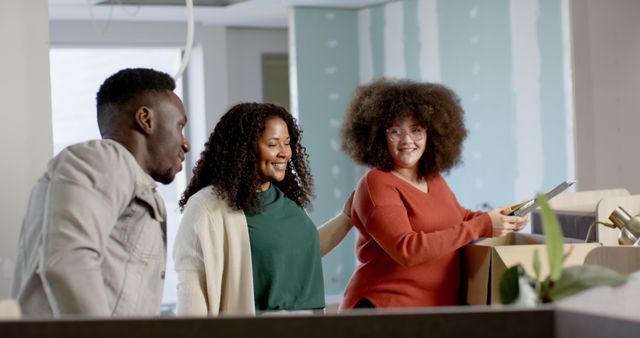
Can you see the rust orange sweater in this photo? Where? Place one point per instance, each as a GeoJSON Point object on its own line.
{"type": "Point", "coordinates": [408, 242]}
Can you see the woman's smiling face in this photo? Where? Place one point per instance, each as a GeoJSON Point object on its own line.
{"type": "Point", "coordinates": [406, 141]}
{"type": "Point", "coordinates": [274, 152]}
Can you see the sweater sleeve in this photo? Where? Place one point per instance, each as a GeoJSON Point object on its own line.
{"type": "Point", "coordinates": [384, 216]}
{"type": "Point", "coordinates": [189, 264]}
{"type": "Point", "coordinates": [468, 215]}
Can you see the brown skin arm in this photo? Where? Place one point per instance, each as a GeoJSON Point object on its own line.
{"type": "Point", "coordinates": [332, 232]}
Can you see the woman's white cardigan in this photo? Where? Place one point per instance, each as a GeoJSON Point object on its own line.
{"type": "Point", "coordinates": [212, 257]}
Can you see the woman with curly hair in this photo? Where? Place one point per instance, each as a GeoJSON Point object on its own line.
{"type": "Point", "coordinates": [409, 221]}
{"type": "Point", "coordinates": [245, 243]}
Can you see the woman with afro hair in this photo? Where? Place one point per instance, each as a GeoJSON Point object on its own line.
{"type": "Point", "coordinates": [245, 243]}
{"type": "Point", "coordinates": [409, 221]}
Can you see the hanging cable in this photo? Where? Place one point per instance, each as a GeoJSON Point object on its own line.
{"type": "Point", "coordinates": [189, 44]}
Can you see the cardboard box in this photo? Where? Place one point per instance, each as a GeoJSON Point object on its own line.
{"type": "Point", "coordinates": [486, 260]}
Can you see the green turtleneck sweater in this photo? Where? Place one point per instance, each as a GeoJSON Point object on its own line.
{"type": "Point", "coordinates": [285, 254]}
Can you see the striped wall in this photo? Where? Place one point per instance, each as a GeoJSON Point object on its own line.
{"type": "Point", "coordinates": [507, 62]}
{"type": "Point", "coordinates": [506, 59]}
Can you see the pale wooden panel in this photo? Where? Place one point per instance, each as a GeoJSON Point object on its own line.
{"type": "Point", "coordinates": [623, 258]}
{"type": "Point", "coordinates": [9, 309]}
{"type": "Point", "coordinates": [585, 201]}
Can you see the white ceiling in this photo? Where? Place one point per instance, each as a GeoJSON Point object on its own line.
{"type": "Point", "coordinates": [251, 13]}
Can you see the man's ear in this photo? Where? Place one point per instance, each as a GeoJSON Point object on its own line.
{"type": "Point", "coordinates": [144, 119]}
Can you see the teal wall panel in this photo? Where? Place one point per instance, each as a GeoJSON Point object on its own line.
{"type": "Point", "coordinates": [326, 62]}
{"type": "Point", "coordinates": [475, 54]}
{"type": "Point", "coordinates": [377, 40]}
{"type": "Point", "coordinates": [411, 39]}
{"type": "Point", "coordinates": [552, 94]}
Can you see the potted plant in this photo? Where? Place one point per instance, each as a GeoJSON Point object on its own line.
{"type": "Point", "coordinates": [516, 287]}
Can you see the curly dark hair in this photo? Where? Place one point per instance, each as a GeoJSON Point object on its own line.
{"type": "Point", "coordinates": [381, 103]}
{"type": "Point", "coordinates": [229, 161]}
{"type": "Point", "coordinates": [123, 92]}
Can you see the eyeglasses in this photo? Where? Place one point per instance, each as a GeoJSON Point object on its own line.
{"type": "Point", "coordinates": [396, 134]}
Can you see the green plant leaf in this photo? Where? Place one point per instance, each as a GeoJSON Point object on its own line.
{"type": "Point", "coordinates": [577, 278]}
{"type": "Point", "coordinates": [552, 238]}
{"type": "Point", "coordinates": [509, 287]}
{"type": "Point", "coordinates": [536, 263]}
{"type": "Point", "coordinates": [543, 290]}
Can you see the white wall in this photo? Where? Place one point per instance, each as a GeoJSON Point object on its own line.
{"type": "Point", "coordinates": [606, 42]}
{"type": "Point", "coordinates": [25, 117]}
{"type": "Point", "coordinates": [246, 47]}
{"type": "Point", "coordinates": [225, 66]}
{"type": "Point", "coordinates": [210, 40]}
